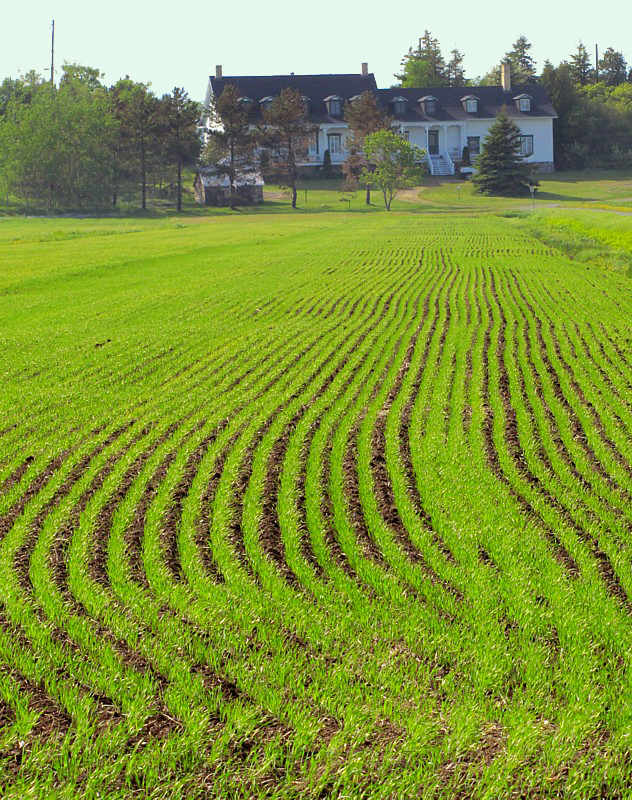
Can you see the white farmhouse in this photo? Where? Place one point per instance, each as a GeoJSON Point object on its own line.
{"type": "Point", "coordinates": [442, 121]}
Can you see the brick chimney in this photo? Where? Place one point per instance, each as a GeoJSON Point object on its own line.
{"type": "Point", "coordinates": [218, 72]}
{"type": "Point", "coordinates": [365, 70]}
{"type": "Point", "coordinates": [505, 76]}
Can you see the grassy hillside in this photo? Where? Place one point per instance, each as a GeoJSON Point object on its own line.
{"type": "Point", "coordinates": [313, 505]}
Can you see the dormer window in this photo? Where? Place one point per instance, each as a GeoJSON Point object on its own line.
{"type": "Point", "coordinates": [400, 106]}
{"type": "Point", "coordinates": [523, 101]}
{"type": "Point", "coordinates": [306, 101]}
{"type": "Point", "coordinates": [247, 101]}
{"type": "Point", "coordinates": [334, 105]}
{"type": "Point", "coordinates": [265, 103]}
{"type": "Point", "coordinates": [428, 104]}
{"type": "Point", "coordinates": [470, 103]}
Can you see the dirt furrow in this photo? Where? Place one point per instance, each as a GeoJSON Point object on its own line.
{"type": "Point", "coordinates": [559, 551]}
{"type": "Point", "coordinates": [406, 418]}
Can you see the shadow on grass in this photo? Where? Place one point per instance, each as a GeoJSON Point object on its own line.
{"type": "Point", "coordinates": [563, 198]}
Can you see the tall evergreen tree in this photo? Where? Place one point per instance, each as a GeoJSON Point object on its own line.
{"type": "Point", "coordinates": [178, 117]}
{"type": "Point", "coordinates": [500, 169]}
{"type": "Point", "coordinates": [522, 65]}
{"type": "Point", "coordinates": [455, 73]}
{"type": "Point", "coordinates": [580, 67]}
{"type": "Point", "coordinates": [135, 107]}
{"type": "Point", "coordinates": [425, 65]}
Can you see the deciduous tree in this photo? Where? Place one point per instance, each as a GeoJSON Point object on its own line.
{"type": "Point", "coordinates": [90, 77]}
{"type": "Point", "coordinates": [232, 143]}
{"type": "Point", "coordinates": [364, 116]}
{"type": "Point", "coordinates": [57, 147]}
{"type": "Point", "coordinates": [286, 133]}
{"type": "Point", "coordinates": [393, 163]}
{"type": "Point", "coordinates": [613, 69]}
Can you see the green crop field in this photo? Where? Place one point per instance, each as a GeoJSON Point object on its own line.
{"type": "Point", "coordinates": [313, 505]}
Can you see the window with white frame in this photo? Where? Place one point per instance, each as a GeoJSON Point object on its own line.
{"type": "Point", "coordinates": [334, 143]}
{"type": "Point", "coordinates": [335, 107]}
{"type": "Point", "coordinates": [405, 135]}
{"type": "Point", "coordinates": [474, 145]}
{"type": "Point", "coordinates": [524, 104]}
{"type": "Point", "coordinates": [471, 105]}
{"type": "Point", "coordinates": [526, 145]}
{"type": "Point", "coordinates": [313, 143]}
{"type": "Point", "coordinates": [430, 106]}
{"type": "Point", "coordinates": [400, 107]}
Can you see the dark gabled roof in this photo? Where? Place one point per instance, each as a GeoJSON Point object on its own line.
{"type": "Point", "coordinates": [450, 108]}
{"type": "Point", "coordinates": [316, 87]}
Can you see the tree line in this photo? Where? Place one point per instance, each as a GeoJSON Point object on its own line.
{"type": "Point", "coordinates": [425, 66]}
{"type": "Point", "coordinates": [83, 144]}
{"type": "Point", "coordinates": [593, 99]}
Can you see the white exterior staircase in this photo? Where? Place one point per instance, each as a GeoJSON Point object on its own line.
{"type": "Point", "coordinates": [439, 165]}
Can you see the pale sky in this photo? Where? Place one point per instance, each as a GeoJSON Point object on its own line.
{"type": "Point", "coordinates": [169, 44]}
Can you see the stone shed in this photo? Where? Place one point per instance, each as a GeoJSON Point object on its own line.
{"type": "Point", "coordinates": [213, 189]}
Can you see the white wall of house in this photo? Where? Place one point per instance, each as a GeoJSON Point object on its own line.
{"type": "Point", "coordinates": [540, 129]}
{"type": "Point", "coordinates": [452, 138]}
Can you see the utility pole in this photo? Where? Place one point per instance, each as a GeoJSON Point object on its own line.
{"type": "Point", "coordinates": [52, 57]}
{"type": "Point", "coordinates": [596, 63]}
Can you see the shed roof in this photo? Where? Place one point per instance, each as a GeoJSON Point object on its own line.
{"type": "Point", "coordinates": [212, 179]}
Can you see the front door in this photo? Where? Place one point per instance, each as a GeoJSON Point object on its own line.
{"type": "Point", "coordinates": [433, 143]}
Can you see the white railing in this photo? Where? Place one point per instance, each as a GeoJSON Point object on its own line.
{"type": "Point", "coordinates": [429, 163]}
{"type": "Point", "coordinates": [317, 158]}
{"type": "Point", "coordinates": [449, 162]}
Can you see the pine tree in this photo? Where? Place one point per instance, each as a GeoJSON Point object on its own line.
{"type": "Point", "coordinates": [425, 65]}
{"type": "Point", "coordinates": [179, 116]}
{"type": "Point", "coordinates": [134, 106]}
{"type": "Point", "coordinates": [232, 142]}
{"type": "Point", "coordinates": [454, 69]}
{"type": "Point", "coordinates": [523, 66]}
{"type": "Point", "coordinates": [500, 169]}
{"type": "Point", "coordinates": [580, 66]}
